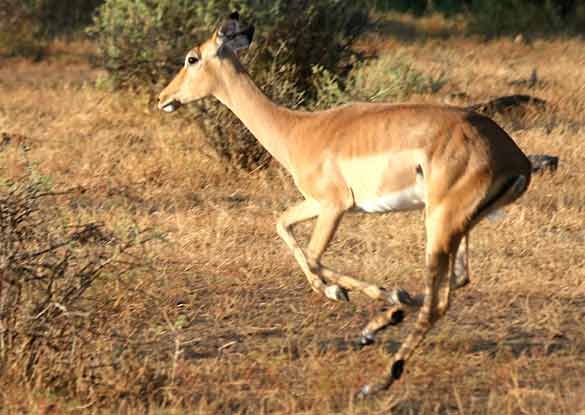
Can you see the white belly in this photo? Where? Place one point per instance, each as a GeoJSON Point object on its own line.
{"type": "Point", "coordinates": [407, 199]}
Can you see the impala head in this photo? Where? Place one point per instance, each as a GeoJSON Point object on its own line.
{"type": "Point", "coordinates": [200, 75]}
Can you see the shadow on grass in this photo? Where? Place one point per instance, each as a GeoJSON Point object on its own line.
{"type": "Point", "coordinates": [408, 29]}
{"type": "Point", "coordinates": [522, 344]}
{"type": "Point", "coordinates": [517, 344]}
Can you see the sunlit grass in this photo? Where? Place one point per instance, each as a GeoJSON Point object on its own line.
{"type": "Point", "coordinates": [226, 323]}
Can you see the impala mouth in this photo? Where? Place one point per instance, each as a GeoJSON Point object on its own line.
{"type": "Point", "coordinates": [171, 106]}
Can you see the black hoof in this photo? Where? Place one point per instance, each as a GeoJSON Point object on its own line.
{"type": "Point", "coordinates": [336, 293]}
{"type": "Point", "coordinates": [369, 391]}
{"type": "Point", "coordinates": [363, 393]}
{"type": "Point", "coordinates": [365, 340]}
{"type": "Point", "coordinates": [402, 296]}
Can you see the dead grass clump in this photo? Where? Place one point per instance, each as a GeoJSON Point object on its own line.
{"type": "Point", "coordinates": [52, 331]}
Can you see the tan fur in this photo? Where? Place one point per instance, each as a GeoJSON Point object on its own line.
{"type": "Point", "coordinates": [361, 152]}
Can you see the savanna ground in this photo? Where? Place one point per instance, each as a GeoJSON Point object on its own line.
{"type": "Point", "coordinates": [220, 320]}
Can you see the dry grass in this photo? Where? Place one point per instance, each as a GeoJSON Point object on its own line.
{"type": "Point", "coordinates": [226, 323]}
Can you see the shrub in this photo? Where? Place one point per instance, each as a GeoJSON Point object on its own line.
{"type": "Point", "coordinates": [143, 42]}
{"type": "Point", "coordinates": [50, 321]}
{"type": "Point", "coordinates": [20, 30]}
{"type": "Point", "coordinates": [505, 17]}
{"type": "Point", "coordinates": [26, 25]}
{"type": "Point", "coordinates": [419, 7]}
{"type": "Point", "coordinates": [388, 78]}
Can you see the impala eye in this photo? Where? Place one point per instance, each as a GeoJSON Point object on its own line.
{"type": "Point", "coordinates": [192, 60]}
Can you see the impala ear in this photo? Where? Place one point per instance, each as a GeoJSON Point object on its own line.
{"type": "Point", "coordinates": [241, 40]}
{"type": "Point", "coordinates": [229, 26]}
{"type": "Point", "coordinates": [230, 34]}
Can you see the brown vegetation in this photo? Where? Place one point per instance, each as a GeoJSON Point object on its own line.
{"type": "Point", "coordinates": [221, 320]}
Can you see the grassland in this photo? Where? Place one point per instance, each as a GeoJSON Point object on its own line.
{"type": "Point", "coordinates": [222, 321]}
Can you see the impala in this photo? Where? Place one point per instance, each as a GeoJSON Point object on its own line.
{"type": "Point", "coordinates": [455, 164]}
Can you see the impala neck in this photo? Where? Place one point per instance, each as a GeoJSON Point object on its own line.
{"type": "Point", "coordinates": [270, 123]}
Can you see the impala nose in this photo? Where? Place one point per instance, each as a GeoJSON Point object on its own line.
{"type": "Point", "coordinates": [160, 100]}
{"type": "Point", "coordinates": [166, 104]}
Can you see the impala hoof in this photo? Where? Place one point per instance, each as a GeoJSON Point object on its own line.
{"type": "Point", "coordinates": [367, 391]}
{"type": "Point", "coordinates": [401, 296]}
{"type": "Point", "coordinates": [336, 293]}
{"type": "Point", "coordinates": [365, 340]}
{"type": "Point", "coordinates": [461, 280]}
{"type": "Point", "coordinates": [364, 393]}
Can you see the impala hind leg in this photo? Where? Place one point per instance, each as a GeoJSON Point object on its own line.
{"type": "Point", "coordinates": [390, 317]}
{"type": "Point", "coordinates": [461, 265]}
{"type": "Point", "coordinates": [404, 303]}
{"type": "Point", "coordinates": [441, 253]}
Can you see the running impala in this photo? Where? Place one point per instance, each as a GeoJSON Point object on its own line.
{"type": "Point", "coordinates": [455, 164]}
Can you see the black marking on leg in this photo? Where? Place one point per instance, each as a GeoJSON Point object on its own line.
{"type": "Point", "coordinates": [397, 369]}
{"type": "Point", "coordinates": [396, 317]}
{"type": "Point", "coordinates": [344, 296]}
{"type": "Point", "coordinates": [401, 296]}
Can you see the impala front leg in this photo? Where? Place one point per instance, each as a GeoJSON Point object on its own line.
{"type": "Point", "coordinates": [327, 223]}
{"type": "Point", "coordinates": [306, 210]}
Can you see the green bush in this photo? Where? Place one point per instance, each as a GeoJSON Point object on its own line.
{"type": "Point", "coordinates": [143, 43]}
{"type": "Point", "coordinates": [26, 25]}
{"type": "Point", "coordinates": [387, 78]}
{"type": "Point", "coordinates": [19, 31]}
{"type": "Point", "coordinates": [420, 7]}
{"type": "Point", "coordinates": [509, 17]}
